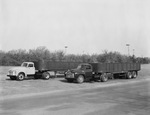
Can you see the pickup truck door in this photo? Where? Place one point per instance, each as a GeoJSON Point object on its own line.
{"type": "Point", "coordinates": [88, 71]}
{"type": "Point", "coordinates": [30, 69]}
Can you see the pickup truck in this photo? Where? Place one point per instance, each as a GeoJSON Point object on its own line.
{"type": "Point", "coordinates": [39, 69]}
{"type": "Point", "coordinates": [102, 71]}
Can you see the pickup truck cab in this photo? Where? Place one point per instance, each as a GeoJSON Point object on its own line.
{"type": "Point", "coordinates": [21, 72]}
{"type": "Point", "coordinates": [83, 72]}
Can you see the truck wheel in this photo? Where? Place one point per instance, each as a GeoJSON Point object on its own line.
{"type": "Point", "coordinates": [129, 75]}
{"type": "Point", "coordinates": [134, 74]}
{"type": "Point", "coordinates": [12, 78]}
{"type": "Point", "coordinates": [46, 75]}
{"type": "Point", "coordinates": [104, 77]}
{"type": "Point", "coordinates": [20, 77]}
{"type": "Point", "coordinates": [80, 79]}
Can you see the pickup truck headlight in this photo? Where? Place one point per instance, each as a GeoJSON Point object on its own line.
{"type": "Point", "coordinates": [12, 72]}
{"type": "Point", "coordinates": [75, 73]}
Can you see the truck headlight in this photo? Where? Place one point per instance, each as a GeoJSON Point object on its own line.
{"type": "Point", "coordinates": [12, 72]}
{"type": "Point", "coordinates": [75, 73]}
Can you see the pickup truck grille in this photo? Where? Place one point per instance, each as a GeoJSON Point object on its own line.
{"type": "Point", "coordinates": [70, 75]}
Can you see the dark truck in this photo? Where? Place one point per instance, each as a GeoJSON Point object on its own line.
{"type": "Point", "coordinates": [102, 71]}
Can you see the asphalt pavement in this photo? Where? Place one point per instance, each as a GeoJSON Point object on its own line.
{"type": "Point", "coordinates": [124, 98]}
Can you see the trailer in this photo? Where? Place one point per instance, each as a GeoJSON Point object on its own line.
{"type": "Point", "coordinates": [39, 69]}
{"type": "Point", "coordinates": [102, 71]}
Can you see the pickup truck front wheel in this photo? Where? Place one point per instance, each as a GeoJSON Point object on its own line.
{"type": "Point", "coordinates": [46, 75]}
{"type": "Point", "coordinates": [20, 76]}
{"type": "Point", "coordinates": [80, 79]}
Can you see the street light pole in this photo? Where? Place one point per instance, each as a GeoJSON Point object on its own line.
{"type": "Point", "coordinates": [128, 45]}
{"type": "Point", "coordinates": [133, 52]}
{"type": "Point", "coordinates": [66, 49]}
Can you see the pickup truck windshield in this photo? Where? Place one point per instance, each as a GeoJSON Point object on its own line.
{"type": "Point", "coordinates": [82, 67]}
{"type": "Point", "coordinates": [24, 64]}
{"type": "Point", "coordinates": [79, 67]}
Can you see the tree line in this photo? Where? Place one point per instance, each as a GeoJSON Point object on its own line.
{"type": "Point", "coordinates": [16, 57]}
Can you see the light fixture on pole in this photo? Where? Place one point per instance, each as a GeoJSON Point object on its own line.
{"type": "Point", "coordinates": [128, 45]}
{"type": "Point", "coordinates": [66, 49]}
{"type": "Point", "coordinates": [133, 52]}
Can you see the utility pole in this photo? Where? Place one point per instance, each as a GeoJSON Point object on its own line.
{"type": "Point", "coordinates": [128, 45]}
{"type": "Point", "coordinates": [133, 52]}
{"type": "Point", "coordinates": [66, 49]}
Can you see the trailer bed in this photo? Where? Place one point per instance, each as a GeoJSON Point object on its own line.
{"type": "Point", "coordinates": [55, 66]}
{"type": "Point", "coordinates": [115, 67]}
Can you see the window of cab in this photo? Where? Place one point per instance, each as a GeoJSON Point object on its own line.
{"type": "Point", "coordinates": [24, 64]}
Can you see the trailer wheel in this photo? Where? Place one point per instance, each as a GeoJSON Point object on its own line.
{"type": "Point", "coordinates": [80, 79]}
{"type": "Point", "coordinates": [129, 75]}
{"type": "Point", "coordinates": [46, 75]}
{"type": "Point", "coordinates": [12, 78]}
{"type": "Point", "coordinates": [104, 77]}
{"type": "Point", "coordinates": [20, 76]}
{"type": "Point", "coordinates": [134, 74]}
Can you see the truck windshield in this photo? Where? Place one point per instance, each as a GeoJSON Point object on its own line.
{"type": "Point", "coordinates": [24, 64]}
{"type": "Point", "coordinates": [80, 67]}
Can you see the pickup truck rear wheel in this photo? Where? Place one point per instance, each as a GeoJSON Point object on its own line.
{"type": "Point", "coordinates": [104, 77]}
{"type": "Point", "coordinates": [80, 79]}
{"type": "Point", "coordinates": [46, 75]}
{"type": "Point", "coordinates": [20, 76]}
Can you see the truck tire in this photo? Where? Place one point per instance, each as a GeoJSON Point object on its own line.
{"type": "Point", "coordinates": [104, 77]}
{"type": "Point", "coordinates": [80, 79]}
{"type": "Point", "coordinates": [12, 78]}
{"type": "Point", "coordinates": [20, 76]}
{"type": "Point", "coordinates": [134, 74]}
{"type": "Point", "coordinates": [129, 75]}
{"type": "Point", "coordinates": [46, 75]}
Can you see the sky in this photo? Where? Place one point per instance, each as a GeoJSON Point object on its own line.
{"type": "Point", "coordinates": [84, 26]}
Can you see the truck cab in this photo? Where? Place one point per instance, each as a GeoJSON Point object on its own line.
{"type": "Point", "coordinates": [19, 73]}
{"type": "Point", "coordinates": [80, 74]}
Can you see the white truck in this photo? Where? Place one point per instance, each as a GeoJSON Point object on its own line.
{"type": "Point", "coordinates": [20, 72]}
{"type": "Point", "coordinates": [39, 69]}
